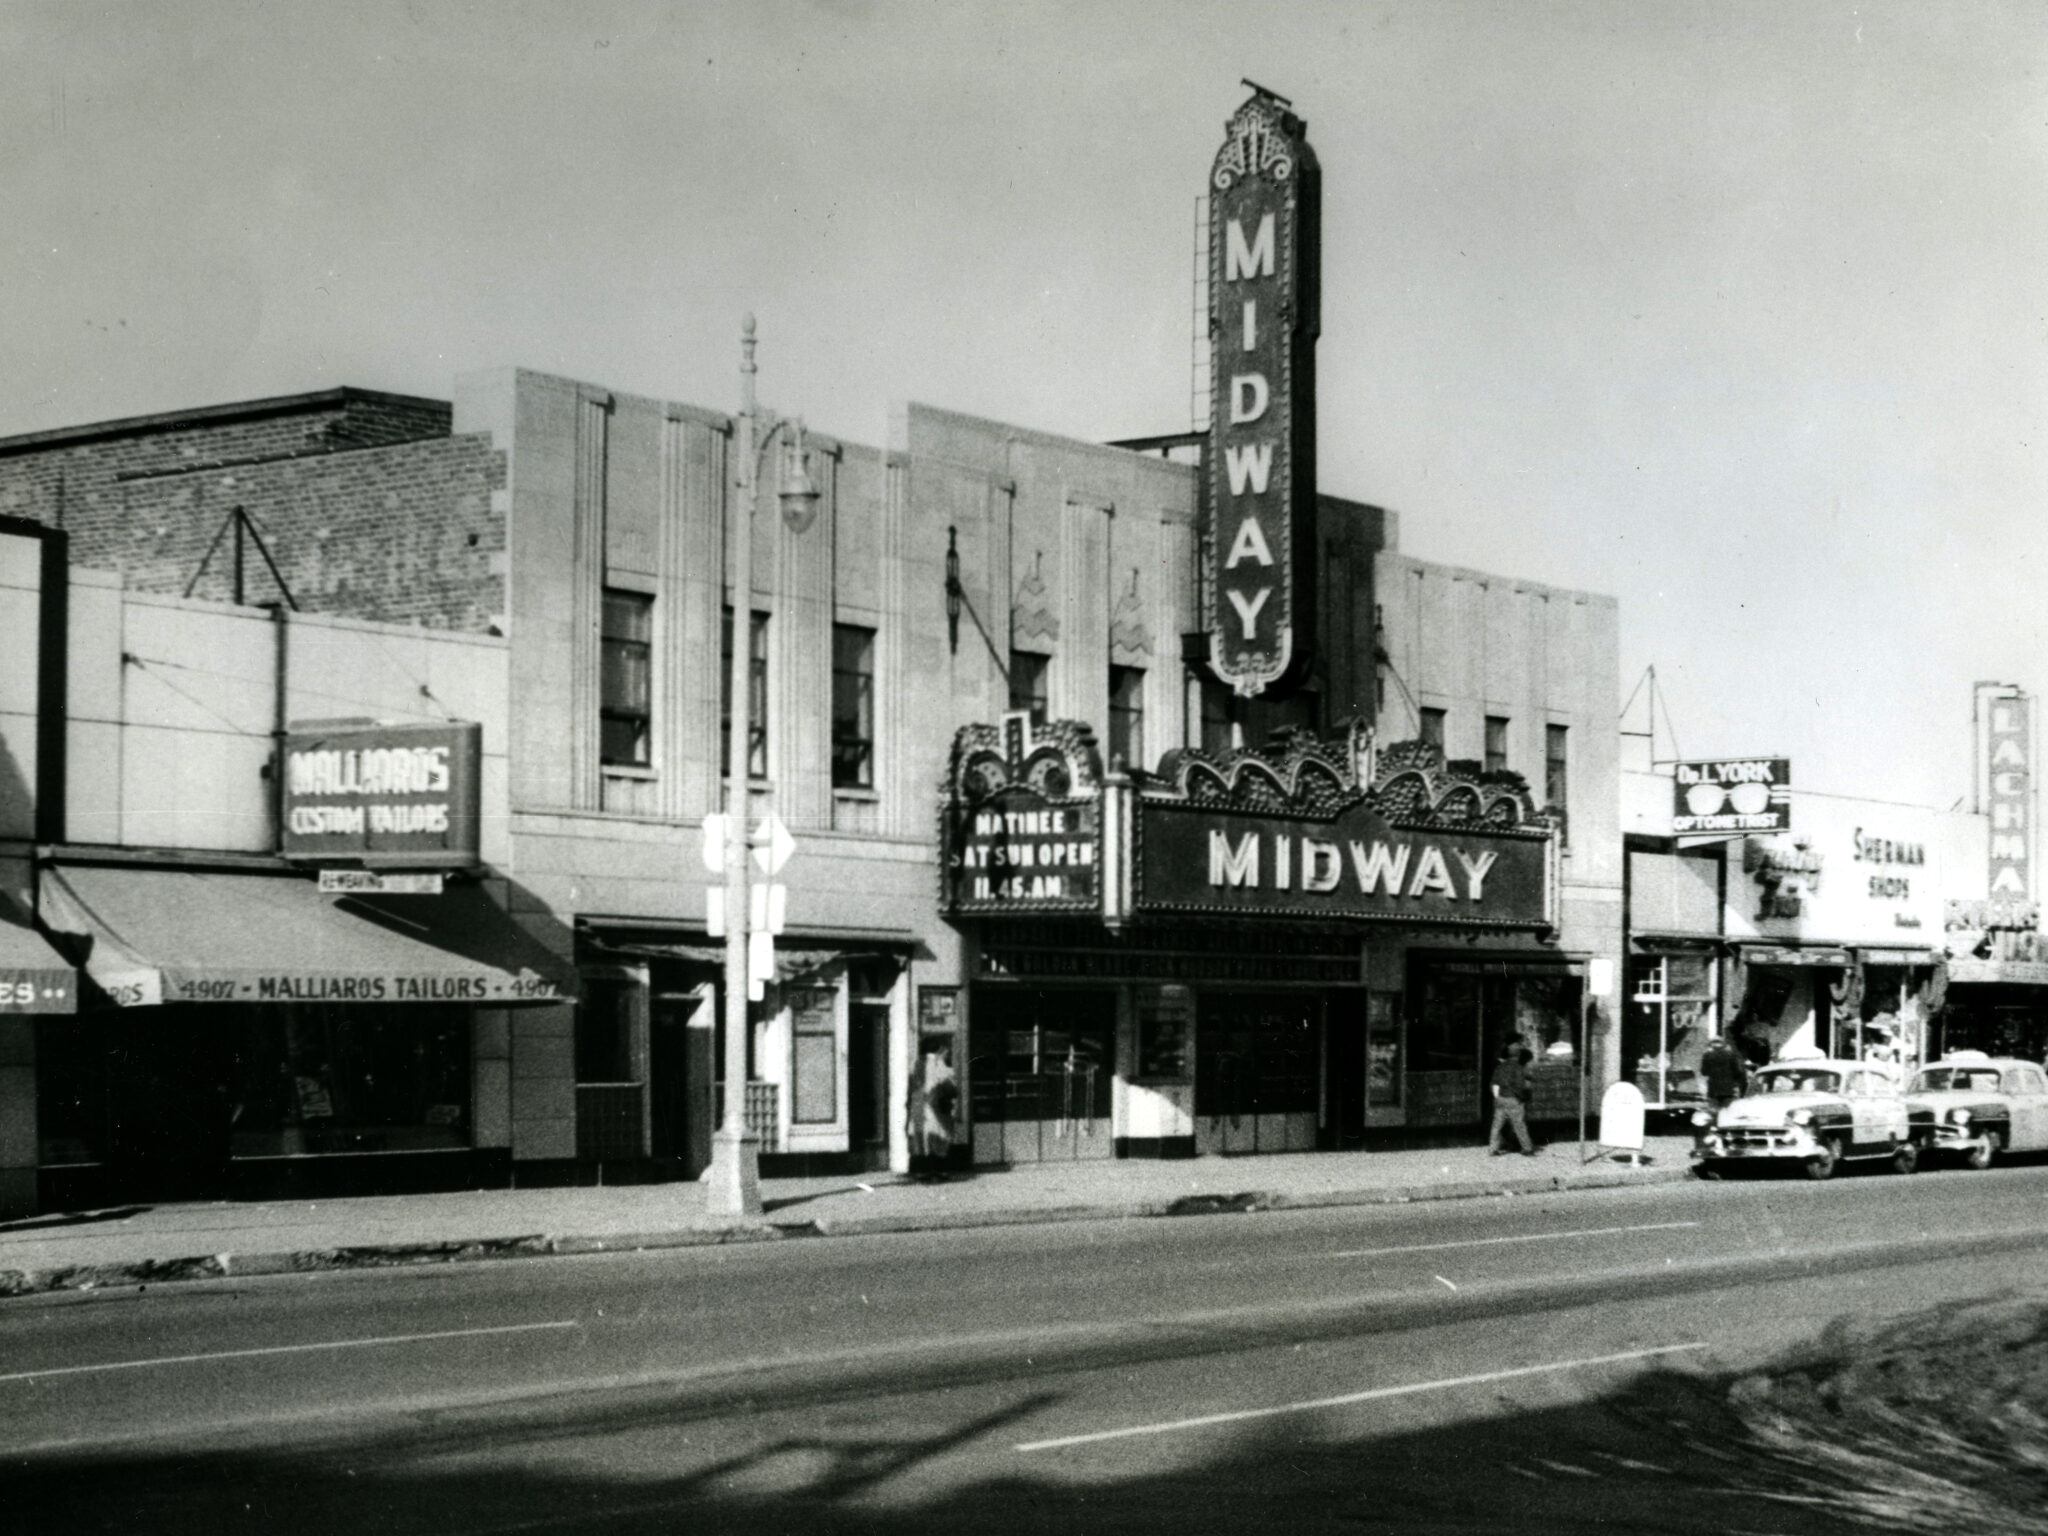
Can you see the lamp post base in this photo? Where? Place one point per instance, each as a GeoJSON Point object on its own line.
{"type": "Point", "coordinates": [733, 1182]}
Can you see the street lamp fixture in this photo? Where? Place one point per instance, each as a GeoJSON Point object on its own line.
{"type": "Point", "coordinates": [734, 1186]}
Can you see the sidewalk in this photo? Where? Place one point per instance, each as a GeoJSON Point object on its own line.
{"type": "Point", "coordinates": [151, 1244]}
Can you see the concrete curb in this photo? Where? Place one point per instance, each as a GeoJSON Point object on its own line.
{"type": "Point", "coordinates": [222, 1266]}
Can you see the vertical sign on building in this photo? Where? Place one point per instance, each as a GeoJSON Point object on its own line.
{"type": "Point", "coordinates": [1265, 217]}
{"type": "Point", "coordinates": [2008, 786]}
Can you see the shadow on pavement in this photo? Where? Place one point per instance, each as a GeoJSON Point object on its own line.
{"type": "Point", "coordinates": [75, 1218]}
{"type": "Point", "coordinates": [1932, 1425]}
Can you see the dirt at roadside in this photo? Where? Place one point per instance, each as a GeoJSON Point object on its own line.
{"type": "Point", "coordinates": [1936, 1422]}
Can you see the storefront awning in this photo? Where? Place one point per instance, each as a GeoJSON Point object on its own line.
{"type": "Point", "coordinates": [792, 963]}
{"type": "Point", "coordinates": [1770, 954]}
{"type": "Point", "coordinates": [2022, 973]}
{"type": "Point", "coordinates": [1536, 966]}
{"type": "Point", "coordinates": [33, 976]}
{"type": "Point", "coordinates": [174, 936]}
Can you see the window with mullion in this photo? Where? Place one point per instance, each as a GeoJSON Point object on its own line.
{"type": "Point", "coordinates": [757, 697]}
{"type": "Point", "coordinates": [1496, 743]}
{"type": "Point", "coordinates": [1127, 717]}
{"type": "Point", "coordinates": [853, 707]}
{"type": "Point", "coordinates": [626, 679]}
{"type": "Point", "coordinates": [1556, 779]}
{"type": "Point", "coordinates": [1029, 689]}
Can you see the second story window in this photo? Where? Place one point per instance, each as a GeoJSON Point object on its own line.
{"type": "Point", "coordinates": [1496, 743]}
{"type": "Point", "coordinates": [1430, 728]}
{"type": "Point", "coordinates": [626, 679]}
{"type": "Point", "coordinates": [757, 698]}
{"type": "Point", "coordinates": [1127, 717]}
{"type": "Point", "coordinates": [1028, 672]}
{"type": "Point", "coordinates": [1556, 738]}
{"type": "Point", "coordinates": [853, 707]}
{"type": "Point", "coordinates": [1220, 726]}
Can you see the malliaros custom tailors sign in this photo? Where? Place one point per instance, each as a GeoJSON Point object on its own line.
{"type": "Point", "coordinates": [384, 796]}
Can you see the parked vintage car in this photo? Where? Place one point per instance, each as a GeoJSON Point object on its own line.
{"type": "Point", "coordinates": [1811, 1114]}
{"type": "Point", "coordinates": [1970, 1107]}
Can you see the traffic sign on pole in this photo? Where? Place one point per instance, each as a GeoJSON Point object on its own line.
{"type": "Point", "coordinates": [772, 844]}
{"type": "Point", "coordinates": [768, 837]}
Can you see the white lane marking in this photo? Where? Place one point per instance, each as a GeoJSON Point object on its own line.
{"type": "Point", "coordinates": [1488, 1242]}
{"type": "Point", "coordinates": [1374, 1394]}
{"type": "Point", "coordinates": [282, 1349]}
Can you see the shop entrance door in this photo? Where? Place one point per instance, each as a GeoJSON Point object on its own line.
{"type": "Point", "coordinates": [867, 1084]}
{"type": "Point", "coordinates": [1041, 1069]}
{"type": "Point", "coordinates": [1258, 1077]}
{"type": "Point", "coordinates": [682, 1027]}
{"type": "Point", "coordinates": [169, 1120]}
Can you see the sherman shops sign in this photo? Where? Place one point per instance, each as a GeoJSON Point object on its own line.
{"type": "Point", "coordinates": [1265, 198]}
{"type": "Point", "coordinates": [1031, 827]}
{"type": "Point", "coordinates": [383, 796]}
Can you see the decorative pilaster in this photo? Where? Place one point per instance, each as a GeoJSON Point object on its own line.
{"type": "Point", "coordinates": [593, 414]}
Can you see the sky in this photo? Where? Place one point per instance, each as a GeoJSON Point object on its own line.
{"type": "Point", "coordinates": [1737, 312]}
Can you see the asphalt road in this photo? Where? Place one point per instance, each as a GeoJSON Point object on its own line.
{"type": "Point", "coordinates": [1553, 1363]}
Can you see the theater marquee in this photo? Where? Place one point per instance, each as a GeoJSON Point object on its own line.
{"type": "Point", "coordinates": [1265, 215]}
{"type": "Point", "coordinates": [1022, 828]}
{"type": "Point", "coordinates": [1353, 864]}
{"type": "Point", "coordinates": [1305, 828]}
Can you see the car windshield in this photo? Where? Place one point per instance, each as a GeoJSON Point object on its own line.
{"type": "Point", "coordinates": [1798, 1080]}
{"type": "Point", "coordinates": [1957, 1080]}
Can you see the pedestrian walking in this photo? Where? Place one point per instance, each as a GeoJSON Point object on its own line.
{"type": "Point", "coordinates": [1511, 1095]}
{"type": "Point", "coordinates": [1725, 1072]}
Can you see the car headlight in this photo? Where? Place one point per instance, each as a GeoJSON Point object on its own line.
{"type": "Point", "coordinates": [1959, 1117]}
{"type": "Point", "coordinates": [1701, 1118]}
{"type": "Point", "coordinates": [1801, 1117]}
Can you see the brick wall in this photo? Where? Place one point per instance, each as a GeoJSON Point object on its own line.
{"type": "Point", "coordinates": [370, 508]}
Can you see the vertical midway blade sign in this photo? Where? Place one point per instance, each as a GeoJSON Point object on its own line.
{"type": "Point", "coordinates": [1265, 218]}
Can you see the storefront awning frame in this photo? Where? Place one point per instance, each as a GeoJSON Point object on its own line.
{"type": "Point", "coordinates": [171, 934]}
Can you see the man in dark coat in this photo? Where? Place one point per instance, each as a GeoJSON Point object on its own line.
{"type": "Point", "coordinates": [1511, 1095]}
{"type": "Point", "coordinates": [1725, 1072]}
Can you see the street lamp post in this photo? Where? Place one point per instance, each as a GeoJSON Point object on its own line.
{"type": "Point", "coordinates": [735, 1182]}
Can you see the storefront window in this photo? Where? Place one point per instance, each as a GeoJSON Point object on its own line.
{"type": "Point", "coordinates": [604, 1032]}
{"type": "Point", "coordinates": [814, 1050]}
{"type": "Point", "coordinates": [1257, 1055]}
{"type": "Point", "coordinates": [1383, 1049]}
{"type": "Point", "coordinates": [310, 1078]}
{"type": "Point", "coordinates": [1670, 1019]}
{"type": "Point", "coordinates": [71, 1092]}
{"type": "Point", "coordinates": [1166, 1027]}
